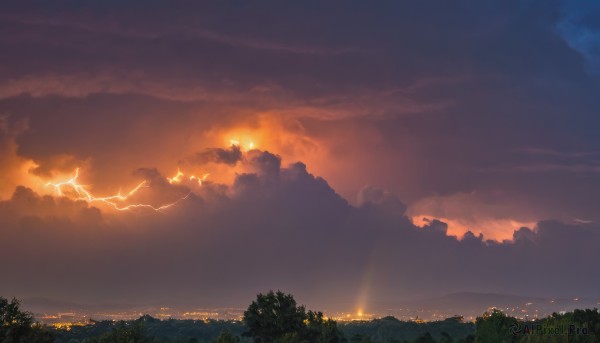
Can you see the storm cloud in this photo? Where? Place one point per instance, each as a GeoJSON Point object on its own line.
{"type": "Point", "coordinates": [445, 141]}
{"type": "Point", "coordinates": [229, 156]}
{"type": "Point", "coordinates": [276, 227]}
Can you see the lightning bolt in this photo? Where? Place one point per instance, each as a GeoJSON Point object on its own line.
{"type": "Point", "coordinates": [118, 201]}
{"type": "Point", "coordinates": [113, 200]}
{"type": "Point", "coordinates": [176, 178]}
{"type": "Point", "coordinates": [200, 180]}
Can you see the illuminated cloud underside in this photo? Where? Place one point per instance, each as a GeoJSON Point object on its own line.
{"type": "Point", "coordinates": [489, 132]}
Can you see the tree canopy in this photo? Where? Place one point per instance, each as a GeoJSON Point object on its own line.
{"type": "Point", "coordinates": [275, 317]}
{"type": "Point", "coordinates": [17, 326]}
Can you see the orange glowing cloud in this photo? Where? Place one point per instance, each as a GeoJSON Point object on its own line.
{"type": "Point", "coordinates": [491, 228]}
{"type": "Point", "coordinates": [283, 136]}
{"type": "Point", "coordinates": [268, 131]}
{"type": "Point", "coordinates": [14, 169]}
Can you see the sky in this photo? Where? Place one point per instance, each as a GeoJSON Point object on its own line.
{"type": "Point", "coordinates": [347, 153]}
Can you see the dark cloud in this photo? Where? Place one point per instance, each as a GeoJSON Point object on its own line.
{"type": "Point", "coordinates": [229, 156]}
{"type": "Point", "coordinates": [293, 232]}
{"type": "Point", "coordinates": [265, 164]}
{"type": "Point", "coordinates": [25, 203]}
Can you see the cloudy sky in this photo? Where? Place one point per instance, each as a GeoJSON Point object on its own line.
{"type": "Point", "coordinates": [347, 153]}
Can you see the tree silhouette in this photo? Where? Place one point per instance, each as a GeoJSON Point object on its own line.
{"type": "Point", "coordinates": [275, 317]}
{"type": "Point", "coordinates": [227, 337]}
{"type": "Point", "coordinates": [426, 338]}
{"type": "Point", "coordinates": [124, 332]}
{"type": "Point", "coordinates": [495, 326]}
{"type": "Point", "coordinates": [18, 326]}
{"type": "Point", "coordinates": [319, 329]}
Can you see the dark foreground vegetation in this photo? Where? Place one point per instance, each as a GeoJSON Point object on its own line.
{"type": "Point", "coordinates": [276, 318]}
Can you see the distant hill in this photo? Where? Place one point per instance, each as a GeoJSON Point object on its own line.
{"type": "Point", "coordinates": [471, 304]}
